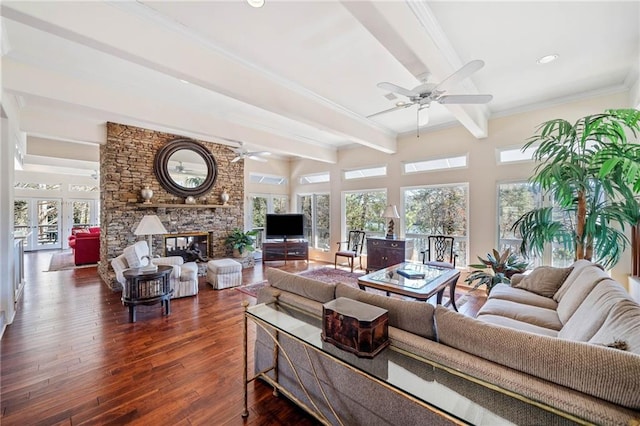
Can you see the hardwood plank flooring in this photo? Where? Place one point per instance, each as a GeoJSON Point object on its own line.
{"type": "Point", "coordinates": [71, 357]}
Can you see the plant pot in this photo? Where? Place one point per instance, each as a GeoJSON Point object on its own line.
{"type": "Point", "coordinates": [237, 254]}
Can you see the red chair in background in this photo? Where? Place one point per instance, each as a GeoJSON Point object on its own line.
{"type": "Point", "coordinates": [85, 244]}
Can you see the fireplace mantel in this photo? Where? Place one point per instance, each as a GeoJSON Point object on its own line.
{"type": "Point", "coordinates": [185, 206]}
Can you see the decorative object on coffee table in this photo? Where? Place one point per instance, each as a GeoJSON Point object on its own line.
{"type": "Point", "coordinates": [147, 194]}
{"type": "Point", "coordinates": [391, 212]}
{"type": "Point", "coordinates": [355, 326]}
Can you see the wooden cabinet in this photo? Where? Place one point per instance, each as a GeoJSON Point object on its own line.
{"type": "Point", "coordinates": [285, 250]}
{"type": "Point", "coordinates": [382, 252]}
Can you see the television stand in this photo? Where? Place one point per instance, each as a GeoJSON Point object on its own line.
{"type": "Point", "coordinates": [285, 250]}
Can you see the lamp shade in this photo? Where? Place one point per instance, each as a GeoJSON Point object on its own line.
{"type": "Point", "coordinates": [150, 225]}
{"type": "Point", "coordinates": [391, 212]}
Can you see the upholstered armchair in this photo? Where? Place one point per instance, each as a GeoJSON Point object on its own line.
{"type": "Point", "coordinates": [184, 277]}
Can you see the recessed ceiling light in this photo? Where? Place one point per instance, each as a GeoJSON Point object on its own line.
{"type": "Point", "coordinates": [401, 103]}
{"type": "Point", "coordinates": [546, 59]}
{"type": "Point", "coordinates": [184, 81]}
{"type": "Point", "coordinates": [256, 3]}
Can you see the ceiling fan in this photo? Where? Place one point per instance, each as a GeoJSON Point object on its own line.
{"type": "Point", "coordinates": [242, 153]}
{"type": "Point", "coordinates": [425, 93]}
{"type": "Point", "coordinates": [180, 168]}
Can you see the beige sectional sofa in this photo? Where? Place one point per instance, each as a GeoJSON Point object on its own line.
{"type": "Point", "coordinates": [577, 351]}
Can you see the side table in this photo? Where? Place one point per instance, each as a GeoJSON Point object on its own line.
{"type": "Point", "coordinates": [145, 288]}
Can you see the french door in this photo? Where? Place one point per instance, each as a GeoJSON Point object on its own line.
{"type": "Point", "coordinates": [38, 221]}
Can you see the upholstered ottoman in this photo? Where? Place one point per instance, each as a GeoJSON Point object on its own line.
{"type": "Point", "coordinates": [224, 273]}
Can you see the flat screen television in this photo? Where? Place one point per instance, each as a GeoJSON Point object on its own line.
{"type": "Point", "coordinates": [284, 226]}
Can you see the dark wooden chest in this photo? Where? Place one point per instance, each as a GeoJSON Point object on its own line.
{"type": "Point", "coordinates": [355, 326]}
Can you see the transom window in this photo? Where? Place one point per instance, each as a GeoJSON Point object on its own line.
{"type": "Point", "coordinates": [315, 178]}
{"type": "Point", "coordinates": [365, 173]}
{"type": "Point", "coordinates": [435, 164]}
{"type": "Point", "coordinates": [267, 179]}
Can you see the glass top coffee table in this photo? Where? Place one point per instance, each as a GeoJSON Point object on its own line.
{"type": "Point", "coordinates": [419, 281]}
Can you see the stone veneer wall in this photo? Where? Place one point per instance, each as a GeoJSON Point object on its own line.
{"type": "Point", "coordinates": [126, 165]}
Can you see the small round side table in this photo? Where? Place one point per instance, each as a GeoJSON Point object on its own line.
{"type": "Point", "coordinates": [147, 287]}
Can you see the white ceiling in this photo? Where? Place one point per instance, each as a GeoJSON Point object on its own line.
{"type": "Point", "coordinates": [298, 78]}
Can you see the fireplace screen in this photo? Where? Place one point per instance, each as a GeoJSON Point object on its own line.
{"type": "Point", "coordinates": [190, 246]}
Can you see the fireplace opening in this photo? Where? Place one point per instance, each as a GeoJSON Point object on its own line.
{"type": "Point", "coordinates": [191, 246]}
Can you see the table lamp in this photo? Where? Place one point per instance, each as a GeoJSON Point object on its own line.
{"type": "Point", "coordinates": [391, 212]}
{"type": "Point", "coordinates": [150, 225]}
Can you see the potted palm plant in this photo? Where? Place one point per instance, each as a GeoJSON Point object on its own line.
{"type": "Point", "coordinates": [240, 242]}
{"type": "Point", "coordinates": [590, 169]}
{"type": "Point", "coordinates": [502, 265]}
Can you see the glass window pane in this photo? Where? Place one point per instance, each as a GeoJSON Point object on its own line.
{"type": "Point", "coordinates": [363, 210]}
{"type": "Point", "coordinates": [364, 173]}
{"type": "Point", "coordinates": [436, 164]}
{"type": "Point", "coordinates": [437, 210]}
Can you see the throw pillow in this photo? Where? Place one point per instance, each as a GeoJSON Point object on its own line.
{"type": "Point", "coordinates": [544, 280]}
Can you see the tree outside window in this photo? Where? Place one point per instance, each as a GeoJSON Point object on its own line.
{"type": "Point", "coordinates": [363, 210]}
{"type": "Point", "coordinates": [315, 208]}
{"type": "Point", "coordinates": [437, 210]}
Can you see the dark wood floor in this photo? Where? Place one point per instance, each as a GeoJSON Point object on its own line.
{"type": "Point", "coordinates": [71, 356]}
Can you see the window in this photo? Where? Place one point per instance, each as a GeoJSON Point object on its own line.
{"type": "Point", "coordinates": [435, 164]}
{"type": "Point", "coordinates": [83, 188]}
{"type": "Point", "coordinates": [363, 210]}
{"type": "Point", "coordinates": [514, 200]}
{"type": "Point", "coordinates": [437, 210]}
{"type": "Point", "coordinates": [267, 179]}
{"type": "Point", "coordinates": [316, 210]}
{"type": "Point", "coordinates": [510, 155]}
{"type": "Point", "coordinates": [315, 178]}
{"type": "Point", "coordinates": [365, 173]}
{"type": "Point", "coordinates": [38, 186]}
{"type": "Point", "coordinates": [260, 206]}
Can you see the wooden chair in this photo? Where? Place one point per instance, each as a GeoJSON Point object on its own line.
{"type": "Point", "coordinates": [439, 252]}
{"type": "Point", "coordinates": [353, 248]}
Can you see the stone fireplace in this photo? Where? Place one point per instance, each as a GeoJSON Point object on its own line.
{"type": "Point", "coordinates": [126, 166]}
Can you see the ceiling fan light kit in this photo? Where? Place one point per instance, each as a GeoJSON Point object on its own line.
{"type": "Point", "coordinates": [425, 93]}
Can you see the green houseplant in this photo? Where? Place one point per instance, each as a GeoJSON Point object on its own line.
{"type": "Point", "coordinates": [240, 242]}
{"type": "Point", "coordinates": [592, 172]}
{"type": "Point", "coordinates": [502, 265]}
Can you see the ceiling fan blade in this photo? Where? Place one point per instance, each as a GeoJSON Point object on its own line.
{"type": "Point", "coordinates": [396, 89]}
{"type": "Point", "coordinates": [256, 158]}
{"type": "Point", "coordinates": [259, 153]}
{"type": "Point", "coordinates": [238, 158]}
{"type": "Point", "coordinates": [464, 72]}
{"type": "Point", "coordinates": [395, 108]}
{"type": "Point", "coordinates": [464, 99]}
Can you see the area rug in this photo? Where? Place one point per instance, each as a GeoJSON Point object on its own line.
{"type": "Point", "coordinates": [64, 261]}
{"type": "Point", "coordinates": [331, 275]}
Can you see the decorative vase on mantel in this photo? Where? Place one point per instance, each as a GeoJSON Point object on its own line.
{"type": "Point", "coordinates": [224, 197]}
{"type": "Point", "coordinates": [147, 194]}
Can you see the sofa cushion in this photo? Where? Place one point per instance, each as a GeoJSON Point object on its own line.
{"type": "Point", "coordinates": [518, 295]}
{"type": "Point", "coordinates": [307, 287]}
{"type": "Point", "coordinates": [133, 254]}
{"type": "Point", "coordinates": [569, 302]}
{"type": "Point", "coordinates": [593, 311]}
{"type": "Point", "coordinates": [621, 325]}
{"type": "Point", "coordinates": [599, 371]}
{"type": "Point", "coordinates": [518, 325]}
{"type": "Point", "coordinates": [541, 317]}
{"type": "Point", "coordinates": [544, 280]}
{"type": "Point", "coordinates": [412, 316]}
{"type": "Point", "coordinates": [578, 268]}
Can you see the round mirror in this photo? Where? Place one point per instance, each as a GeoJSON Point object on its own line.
{"type": "Point", "coordinates": [185, 168]}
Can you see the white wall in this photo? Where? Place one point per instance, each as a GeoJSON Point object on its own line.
{"type": "Point", "coordinates": [482, 174]}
